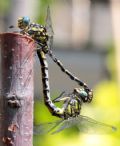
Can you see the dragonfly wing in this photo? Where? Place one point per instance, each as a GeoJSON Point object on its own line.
{"type": "Point", "coordinates": [49, 28]}
{"type": "Point", "coordinates": [64, 125]}
{"type": "Point", "coordinates": [89, 125]}
{"type": "Point", "coordinates": [84, 124]}
{"type": "Point", "coordinates": [45, 128]}
{"type": "Point", "coordinates": [48, 24]}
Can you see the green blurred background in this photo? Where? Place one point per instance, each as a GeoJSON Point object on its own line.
{"type": "Point", "coordinates": [86, 40]}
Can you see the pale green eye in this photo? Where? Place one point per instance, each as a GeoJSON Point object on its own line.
{"type": "Point", "coordinates": [26, 20]}
{"type": "Point", "coordinates": [83, 93]}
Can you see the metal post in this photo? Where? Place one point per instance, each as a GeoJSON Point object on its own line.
{"type": "Point", "coordinates": [16, 100]}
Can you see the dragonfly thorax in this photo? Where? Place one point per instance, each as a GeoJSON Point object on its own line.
{"type": "Point", "coordinates": [39, 34]}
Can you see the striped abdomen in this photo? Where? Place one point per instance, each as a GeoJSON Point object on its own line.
{"type": "Point", "coordinates": [46, 88]}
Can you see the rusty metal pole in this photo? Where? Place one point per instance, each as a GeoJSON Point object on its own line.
{"type": "Point", "coordinates": [16, 100]}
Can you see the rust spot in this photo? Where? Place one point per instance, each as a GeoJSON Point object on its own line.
{"type": "Point", "coordinates": [8, 141]}
{"type": "Point", "coordinates": [13, 127]}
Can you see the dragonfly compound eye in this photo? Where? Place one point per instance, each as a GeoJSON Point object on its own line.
{"type": "Point", "coordinates": [26, 20]}
{"type": "Point", "coordinates": [83, 95]}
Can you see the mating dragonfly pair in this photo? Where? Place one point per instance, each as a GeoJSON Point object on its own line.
{"type": "Point", "coordinates": [72, 102]}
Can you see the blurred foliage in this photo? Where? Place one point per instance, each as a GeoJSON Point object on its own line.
{"type": "Point", "coordinates": [106, 104]}
{"type": "Point", "coordinates": [4, 5]}
{"type": "Point", "coordinates": [107, 97]}
{"type": "Point", "coordinates": [107, 94]}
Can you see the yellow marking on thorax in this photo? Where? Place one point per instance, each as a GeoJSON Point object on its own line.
{"type": "Point", "coordinates": [41, 29]}
{"type": "Point", "coordinates": [35, 29]}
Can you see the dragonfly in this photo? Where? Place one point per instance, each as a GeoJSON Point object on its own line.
{"type": "Point", "coordinates": [34, 30]}
{"type": "Point", "coordinates": [72, 104]}
{"type": "Point", "coordinates": [66, 110]}
{"type": "Point", "coordinates": [69, 113]}
{"type": "Point", "coordinates": [43, 36]}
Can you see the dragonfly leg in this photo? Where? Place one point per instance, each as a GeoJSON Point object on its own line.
{"type": "Point", "coordinates": [59, 98]}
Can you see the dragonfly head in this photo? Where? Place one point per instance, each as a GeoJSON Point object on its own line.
{"type": "Point", "coordinates": [23, 22]}
{"type": "Point", "coordinates": [82, 94]}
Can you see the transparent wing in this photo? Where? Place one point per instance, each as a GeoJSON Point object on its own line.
{"type": "Point", "coordinates": [63, 125]}
{"type": "Point", "coordinates": [48, 24]}
{"type": "Point", "coordinates": [45, 128]}
{"type": "Point", "coordinates": [49, 28]}
{"type": "Point", "coordinates": [89, 125]}
{"type": "Point", "coordinates": [85, 125]}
